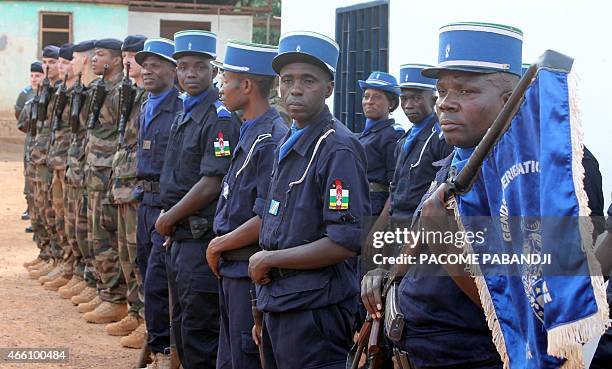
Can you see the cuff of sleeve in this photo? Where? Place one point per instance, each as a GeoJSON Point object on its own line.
{"type": "Point", "coordinates": [347, 236]}
{"type": "Point", "coordinates": [258, 208]}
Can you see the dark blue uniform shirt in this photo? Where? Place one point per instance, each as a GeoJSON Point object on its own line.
{"type": "Point", "coordinates": [200, 145]}
{"type": "Point", "coordinates": [379, 144]}
{"type": "Point", "coordinates": [413, 171]}
{"type": "Point", "coordinates": [302, 206]}
{"type": "Point", "coordinates": [152, 143]}
{"type": "Point", "coordinates": [245, 186]}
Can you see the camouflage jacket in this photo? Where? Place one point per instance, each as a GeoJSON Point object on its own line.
{"type": "Point", "coordinates": [58, 153]}
{"type": "Point", "coordinates": [23, 123]}
{"type": "Point", "coordinates": [75, 172]}
{"type": "Point", "coordinates": [103, 138]}
{"type": "Point", "coordinates": [40, 144]}
{"type": "Point", "coordinates": [124, 161]}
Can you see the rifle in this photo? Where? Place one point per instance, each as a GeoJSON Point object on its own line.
{"type": "Point", "coordinates": [58, 108]}
{"type": "Point", "coordinates": [75, 105]}
{"type": "Point", "coordinates": [127, 93]}
{"type": "Point", "coordinates": [97, 99]}
{"type": "Point", "coordinates": [34, 113]}
{"type": "Point", "coordinates": [258, 319]}
{"type": "Point", "coordinates": [45, 96]}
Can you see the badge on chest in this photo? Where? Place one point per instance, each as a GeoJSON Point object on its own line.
{"type": "Point", "coordinates": [222, 147]}
{"type": "Point", "coordinates": [338, 196]}
{"type": "Point", "coordinates": [146, 144]}
{"type": "Point", "coordinates": [273, 209]}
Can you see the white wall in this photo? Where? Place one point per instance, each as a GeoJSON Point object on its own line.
{"type": "Point", "coordinates": [578, 29]}
{"type": "Point", "coordinates": [227, 27]}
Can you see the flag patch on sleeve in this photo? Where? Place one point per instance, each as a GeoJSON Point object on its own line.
{"type": "Point", "coordinates": [338, 196]}
{"type": "Point", "coordinates": [222, 147]}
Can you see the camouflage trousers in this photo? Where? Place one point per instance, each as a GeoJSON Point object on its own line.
{"type": "Point", "coordinates": [28, 191]}
{"type": "Point", "coordinates": [58, 194]}
{"type": "Point", "coordinates": [126, 235]}
{"type": "Point", "coordinates": [44, 214]}
{"type": "Point", "coordinates": [76, 232]}
{"type": "Point", "coordinates": [102, 233]}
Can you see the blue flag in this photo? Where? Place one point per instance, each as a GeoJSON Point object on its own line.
{"type": "Point", "coordinates": [531, 189]}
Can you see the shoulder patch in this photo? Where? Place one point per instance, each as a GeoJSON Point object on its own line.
{"type": "Point", "coordinates": [222, 111]}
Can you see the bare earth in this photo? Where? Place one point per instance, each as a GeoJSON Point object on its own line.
{"type": "Point", "coordinates": [31, 317]}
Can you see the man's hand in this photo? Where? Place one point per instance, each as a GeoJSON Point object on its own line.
{"type": "Point", "coordinates": [435, 205]}
{"type": "Point", "coordinates": [371, 292]}
{"type": "Point", "coordinates": [213, 255]}
{"type": "Point", "coordinates": [164, 224]}
{"type": "Point", "coordinates": [256, 334]}
{"type": "Point", "coordinates": [259, 267]}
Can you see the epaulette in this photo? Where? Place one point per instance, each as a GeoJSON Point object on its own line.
{"type": "Point", "coordinates": [222, 111]}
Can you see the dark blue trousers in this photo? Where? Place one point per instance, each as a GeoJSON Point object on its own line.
{"type": "Point", "coordinates": [151, 259]}
{"type": "Point", "coordinates": [302, 339]}
{"type": "Point", "coordinates": [195, 303]}
{"type": "Point", "coordinates": [237, 350]}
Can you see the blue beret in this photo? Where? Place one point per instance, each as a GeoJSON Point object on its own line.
{"type": "Point", "coordinates": [195, 42]}
{"type": "Point", "coordinates": [36, 67]}
{"type": "Point", "coordinates": [161, 47]}
{"type": "Point", "coordinates": [244, 57]}
{"type": "Point", "coordinates": [479, 48]}
{"type": "Point", "coordinates": [307, 47]}
{"type": "Point", "coordinates": [108, 43]}
{"type": "Point", "coordinates": [410, 77]}
{"type": "Point", "coordinates": [65, 51]}
{"type": "Point", "coordinates": [380, 81]}
{"type": "Point", "coordinates": [51, 51]}
{"type": "Point", "coordinates": [84, 46]}
{"type": "Point", "coordinates": [133, 43]}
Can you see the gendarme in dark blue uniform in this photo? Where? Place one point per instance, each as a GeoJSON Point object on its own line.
{"type": "Point", "coordinates": [156, 117]}
{"type": "Point", "coordinates": [379, 139]}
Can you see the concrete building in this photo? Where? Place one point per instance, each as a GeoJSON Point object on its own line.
{"type": "Point", "coordinates": [411, 28]}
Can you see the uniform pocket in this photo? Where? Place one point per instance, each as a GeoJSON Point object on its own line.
{"type": "Point", "coordinates": [109, 215]}
{"type": "Point", "coordinates": [204, 282]}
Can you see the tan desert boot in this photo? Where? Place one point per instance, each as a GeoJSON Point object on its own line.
{"type": "Point", "coordinates": [32, 262]}
{"type": "Point", "coordinates": [55, 273]}
{"type": "Point", "coordinates": [86, 295]}
{"type": "Point", "coordinates": [44, 270]}
{"type": "Point", "coordinates": [106, 312]}
{"type": "Point", "coordinates": [160, 361]}
{"type": "Point", "coordinates": [86, 307]}
{"type": "Point", "coordinates": [55, 284]}
{"type": "Point", "coordinates": [123, 327]}
{"type": "Point", "coordinates": [136, 339]}
{"type": "Point", "coordinates": [67, 293]}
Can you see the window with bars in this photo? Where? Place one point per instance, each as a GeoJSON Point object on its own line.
{"type": "Point", "coordinates": [55, 29]}
{"type": "Point", "coordinates": [362, 32]}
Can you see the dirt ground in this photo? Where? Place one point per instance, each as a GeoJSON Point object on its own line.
{"type": "Point", "coordinates": [31, 317]}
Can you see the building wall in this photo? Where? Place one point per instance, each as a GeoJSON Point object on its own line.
{"type": "Point", "coordinates": [574, 30]}
{"type": "Point", "coordinates": [19, 44]}
{"type": "Point", "coordinates": [227, 27]}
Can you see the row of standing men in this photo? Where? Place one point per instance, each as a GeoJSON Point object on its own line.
{"type": "Point", "coordinates": [206, 213]}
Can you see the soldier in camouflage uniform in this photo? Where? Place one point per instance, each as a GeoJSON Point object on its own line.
{"type": "Point", "coordinates": [44, 213]}
{"type": "Point", "coordinates": [123, 185]}
{"type": "Point", "coordinates": [76, 229]}
{"type": "Point", "coordinates": [101, 212]}
{"type": "Point", "coordinates": [58, 152]}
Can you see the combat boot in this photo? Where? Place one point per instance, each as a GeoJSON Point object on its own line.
{"type": "Point", "coordinates": [32, 262]}
{"type": "Point", "coordinates": [86, 307]}
{"type": "Point", "coordinates": [55, 284]}
{"type": "Point", "coordinates": [44, 270]}
{"type": "Point", "coordinates": [84, 296]}
{"type": "Point", "coordinates": [37, 266]}
{"type": "Point", "coordinates": [67, 293]}
{"type": "Point", "coordinates": [160, 361]}
{"type": "Point", "coordinates": [106, 312]}
{"type": "Point", "coordinates": [73, 281]}
{"type": "Point", "coordinates": [123, 327]}
{"type": "Point", "coordinates": [53, 274]}
{"type": "Point", "coordinates": [136, 339]}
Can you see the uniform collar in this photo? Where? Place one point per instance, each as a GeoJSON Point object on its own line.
{"type": "Point", "coordinates": [115, 80]}
{"type": "Point", "coordinates": [313, 132]}
{"type": "Point", "coordinates": [261, 125]}
{"type": "Point", "coordinates": [427, 129]}
{"type": "Point", "coordinates": [169, 101]}
{"type": "Point", "coordinates": [380, 126]}
{"type": "Point", "coordinates": [198, 112]}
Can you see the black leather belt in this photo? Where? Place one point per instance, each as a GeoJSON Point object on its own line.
{"type": "Point", "coordinates": [152, 187]}
{"type": "Point", "coordinates": [242, 254]}
{"type": "Point", "coordinates": [378, 187]}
